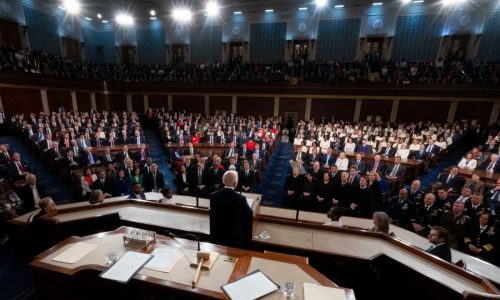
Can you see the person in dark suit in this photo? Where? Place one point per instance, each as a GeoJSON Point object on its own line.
{"type": "Point", "coordinates": [31, 193]}
{"type": "Point", "coordinates": [198, 181]}
{"type": "Point", "coordinates": [107, 157]}
{"type": "Point", "coordinates": [362, 200]}
{"type": "Point", "coordinates": [137, 139]}
{"type": "Point", "coordinates": [88, 159]}
{"type": "Point", "coordinates": [376, 165]}
{"type": "Point", "coordinates": [17, 169]}
{"type": "Point", "coordinates": [137, 192]}
{"type": "Point", "coordinates": [491, 165]}
{"type": "Point", "coordinates": [420, 154]}
{"type": "Point", "coordinates": [364, 147]}
{"type": "Point", "coordinates": [328, 158]}
{"type": "Point", "coordinates": [293, 185]}
{"type": "Point", "coordinates": [359, 163]}
{"type": "Point", "coordinates": [125, 154]}
{"type": "Point", "coordinates": [245, 176]}
{"type": "Point", "coordinates": [231, 218]}
{"type": "Point", "coordinates": [401, 210]}
{"type": "Point", "coordinates": [452, 182]}
{"type": "Point", "coordinates": [388, 150]}
{"type": "Point", "coordinates": [154, 181]}
{"type": "Point", "coordinates": [490, 147]}
{"type": "Point", "coordinates": [342, 191]}
{"type": "Point", "coordinates": [438, 237]}
{"type": "Point", "coordinates": [299, 155]}
{"type": "Point", "coordinates": [103, 184]}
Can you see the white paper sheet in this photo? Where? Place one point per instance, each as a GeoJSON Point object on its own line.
{"type": "Point", "coordinates": [319, 292]}
{"type": "Point", "coordinates": [250, 202]}
{"type": "Point", "coordinates": [75, 252]}
{"type": "Point", "coordinates": [127, 266]}
{"type": "Point", "coordinates": [164, 259]}
{"type": "Point", "coordinates": [250, 287]}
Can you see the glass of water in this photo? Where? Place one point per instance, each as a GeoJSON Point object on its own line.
{"type": "Point", "coordinates": [289, 289]}
{"type": "Point", "coordinates": [111, 258]}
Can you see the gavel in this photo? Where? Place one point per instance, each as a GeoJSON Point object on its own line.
{"type": "Point", "coordinates": [202, 257]}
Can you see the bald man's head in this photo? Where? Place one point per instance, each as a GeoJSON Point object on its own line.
{"type": "Point", "coordinates": [230, 179]}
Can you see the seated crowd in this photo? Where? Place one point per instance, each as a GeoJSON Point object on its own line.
{"type": "Point", "coordinates": [322, 181]}
{"type": "Point", "coordinates": [245, 141]}
{"type": "Point", "coordinates": [450, 70]}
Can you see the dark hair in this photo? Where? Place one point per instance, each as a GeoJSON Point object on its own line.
{"type": "Point", "coordinates": [442, 233]}
{"type": "Point", "coordinates": [166, 191]}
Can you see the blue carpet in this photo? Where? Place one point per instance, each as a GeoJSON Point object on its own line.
{"type": "Point", "coordinates": [16, 278]}
{"type": "Point", "coordinates": [273, 179]}
{"type": "Point", "coordinates": [157, 154]}
{"type": "Point", "coordinates": [56, 188]}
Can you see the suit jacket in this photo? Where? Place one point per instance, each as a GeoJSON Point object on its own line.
{"type": "Point", "coordinates": [26, 193]}
{"type": "Point", "coordinates": [243, 180]}
{"type": "Point", "coordinates": [142, 140]}
{"type": "Point", "coordinates": [106, 160]}
{"type": "Point", "coordinates": [477, 187]}
{"type": "Point", "coordinates": [134, 196]}
{"type": "Point", "coordinates": [489, 148]}
{"type": "Point", "coordinates": [311, 158]}
{"type": "Point", "coordinates": [442, 251]}
{"type": "Point", "coordinates": [486, 163]}
{"type": "Point", "coordinates": [13, 172]}
{"type": "Point", "coordinates": [84, 159]}
{"type": "Point", "coordinates": [455, 184]}
{"type": "Point", "coordinates": [96, 141]}
{"type": "Point", "coordinates": [3, 158]}
{"type": "Point", "coordinates": [400, 172]}
{"type": "Point", "coordinates": [120, 157]}
{"type": "Point", "coordinates": [380, 167]}
{"type": "Point", "coordinates": [44, 144]}
{"type": "Point", "coordinates": [231, 218]}
{"type": "Point", "coordinates": [331, 160]}
{"type": "Point", "coordinates": [364, 149]}
{"type": "Point", "coordinates": [361, 165]}
{"type": "Point", "coordinates": [391, 153]}
{"type": "Point", "coordinates": [149, 183]}
{"type": "Point", "coordinates": [302, 156]}
{"type": "Point", "coordinates": [419, 156]}
{"type": "Point", "coordinates": [435, 149]}
{"type": "Point", "coordinates": [107, 187]}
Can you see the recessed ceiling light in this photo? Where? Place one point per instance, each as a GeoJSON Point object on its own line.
{"type": "Point", "coordinates": [303, 8]}
{"type": "Point", "coordinates": [269, 10]}
{"type": "Point", "coordinates": [88, 19]}
{"type": "Point", "coordinates": [104, 21]}
{"type": "Point", "coordinates": [152, 12]}
{"type": "Point", "coordinates": [237, 13]}
{"type": "Point", "coordinates": [339, 6]}
{"type": "Point", "coordinates": [377, 3]}
{"type": "Point", "coordinates": [152, 18]}
{"type": "Point", "coordinates": [99, 16]}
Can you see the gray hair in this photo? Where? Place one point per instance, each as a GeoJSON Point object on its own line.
{"type": "Point", "coordinates": [230, 178]}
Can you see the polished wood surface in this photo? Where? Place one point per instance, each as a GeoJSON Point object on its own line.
{"type": "Point", "coordinates": [486, 177]}
{"type": "Point", "coordinates": [117, 148]}
{"type": "Point", "coordinates": [224, 270]}
{"type": "Point", "coordinates": [204, 149]}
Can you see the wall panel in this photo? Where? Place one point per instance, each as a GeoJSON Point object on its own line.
{"type": "Point", "coordinates": [338, 39]}
{"type": "Point", "coordinates": [267, 42]}
{"type": "Point", "coordinates": [59, 98]}
{"type": "Point", "coordinates": [327, 108]}
{"type": "Point", "coordinates": [117, 102]}
{"type": "Point", "coordinates": [192, 104]}
{"type": "Point", "coordinates": [138, 103]}
{"type": "Point", "coordinates": [220, 103]}
{"type": "Point", "coordinates": [101, 102]}
{"type": "Point", "coordinates": [151, 47]}
{"type": "Point", "coordinates": [255, 106]}
{"type": "Point", "coordinates": [474, 110]}
{"type": "Point", "coordinates": [292, 105]}
{"type": "Point", "coordinates": [376, 108]}
{"type": "Point", "coordinates": [415, 110]}
{"type": "Point", "coordinates": [157, 101]}
{"type": "Point", "coordinates": [21, 100]}
{"type": "Point", "coordinates": [83, 100]}
{"type": "Point", "coordinates": [43, 32]}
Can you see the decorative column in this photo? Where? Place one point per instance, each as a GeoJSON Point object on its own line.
{"type": "Point", "coordinates": [452, 111]}
{"type": "Point", "coordinates": [494, 113]}
{"type": "Point", "coordinates": [207, 104]}
{"type": "Point", "coordinates": [394, 110]}
{"type": "Point", "coordinates": [74, 103]}
{"type": "Point", "coordinates": [234, 104]}
{"type": "Point", "coordinates": [357, 110]}
{"type": "Point", "coordinates": [146, 102]}
{"type": "Point", "coordinates": [170, 104]}
{"type": "Point", "coordinates": [45, 101]}
{"type": "Point", "coordinates": [129, 103]}
{"type": "Point", "coordinates": [93, 105]}
{"type": "Point", "coordinates": [307, 114]}
{"type": "Point", "coordinates": [276, 111]}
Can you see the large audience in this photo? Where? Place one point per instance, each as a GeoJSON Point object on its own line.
{"type": "Point", "coordinates": [450, 70]}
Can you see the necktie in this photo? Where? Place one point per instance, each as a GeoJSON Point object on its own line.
{"type": "Point", "coordinates": [7, 156]}
{"type": "Point", "coordinates": [426, 208]}
{"type": "Point", "coordinates": [298, 156]}
{"type": "Point", "coordinates": [430, 248]}
{"type": "Point", "coordinates": [394, 171]}
{"type": "Point", "coordinates": [246, 173]}
{"type": "Point", "coordinates": [108, 157]}
{"type": "Point", "coordinates": [99, 142]}
{"type": "Point", "coordinates": [482, 230]}
{"type": "Point", "coordinates": [138, 140]}
{"type": "Point", "coordinates": [112, 142]}
{"type": "Point", "coordinates": [199, 177]}
{"type": "Point", "coordinates": [67, 143]}
{"type": "Point", "coordinates": [450, 177]}
{"type": "Point", "coordinates": [154, 180]}
{"type": "Point", "coordinates": [375, 167]}
{"type": "Point", "coordinates": [490, 167]}
{"type": "Point", "coordinates": [91, 159]}
{"type": "Point", "coordinates": [21, 168]}
{"type": "Point", "coordinates": [49, 143]}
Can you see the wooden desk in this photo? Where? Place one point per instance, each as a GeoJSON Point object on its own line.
{"type": "Point", "coordinates": [117, 148]}
{"type": "Point", "coordinates": [485, 177]}
{"type": "Point", "coordinates": [203, 148]}
{"type": "Point", "coordinates": [279, 267]}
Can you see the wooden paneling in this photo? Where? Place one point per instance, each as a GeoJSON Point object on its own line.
{"type": "Point", "coordinates": [117, 102]}
{"type": "Point", "coordinates": [9, 33]}
{"type": "Point", "coordinates": [138, 103]}
{"type": "Point", "coordinates": [158, 101]}
{"type": "Point", "coordinates": [59, 98]}
{"type": "Point", "coordinates": [21, 100]}
{"type": "Point", "coordinates": [100, 102]}
{"type": "Point", "coordinates": [327, 108]}
{"type": "Point", "coordinates": [218, 103]}
{"type": "Point", "coordinates": [83, 100]}
{"type": "Point", "coordinates": [474, 110]}
{"type": "Point", "coordinates": [191, 104]}
{"type": "Point", "coordinates": [255, 106]}
{"type": "Point", "coordinates": [413, 111]}
{"type": "Point", "coordinates": [376, 108]}
{"type": "Point", "coordinates": [292, 105]}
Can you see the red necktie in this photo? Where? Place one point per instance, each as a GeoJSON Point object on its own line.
{"type": "Point", "coordinates": [20, 166]}
{"type": "Point", "coordinates": [67, 143]}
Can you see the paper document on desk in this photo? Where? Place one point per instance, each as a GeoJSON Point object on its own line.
{"type": "Point", "coordinates": [250, 202]}
{"type": "Point", "coordinates": [250, 287]}
{"type": "Point", "coordinates": [75, 252]}
{"type": "Point", "coordinates": [126, 267]}
{"type": "Point", "coordinates": [164, 259]}
{"type": "Point", "coordinates": [319, 292]}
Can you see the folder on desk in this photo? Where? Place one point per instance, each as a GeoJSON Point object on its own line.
{"type": "Point", "coordinates": [126, 267]}
{"type": "Point", "coordinates": [252, 286]}
{"type": "Point", "coordinates": [319, 292]}
{"type": "Point", "coordinates": [75, 252]}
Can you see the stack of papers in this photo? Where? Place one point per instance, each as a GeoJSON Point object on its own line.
{"type": "Point", "coordinates": [164, 259]}
{"type": "Point", "coordinates": [126, 267]}
{"type": "Point", "coordinates": [250, 287]}
{"type": "Point", "coordinates": [319, 292]}
{"type": "Point", "coordinates": [75, 252]}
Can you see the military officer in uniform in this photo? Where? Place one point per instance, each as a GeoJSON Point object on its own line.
{"type": "Point", "coordinates": [428, 214]}
{"type": "Point", "coordinates": [481, 238]}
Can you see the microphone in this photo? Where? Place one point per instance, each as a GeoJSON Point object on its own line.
{"type": "Point", "coordinates": [170, 234]}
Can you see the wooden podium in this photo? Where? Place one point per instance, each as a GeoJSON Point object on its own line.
{"type": "Point", "coordinates": [80, 280]}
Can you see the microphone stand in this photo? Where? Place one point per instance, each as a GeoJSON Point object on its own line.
{"type": "Point", "coordinates": [197, 200]}
{"type": "Point", "coordinates": [167, 232]}
{"type": "Point", "coordinates": [298, 209]}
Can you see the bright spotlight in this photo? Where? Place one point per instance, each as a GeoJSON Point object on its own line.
{"type": "Point", "coordinates": [212, 8]}
{"type": "Point", "coordinates": [152, 12]}
{"type": "Point", "coordinates": [406, 1]}
{"type": "Point", "coordinates": [124, 19]}
{"type": "Point", "coordinates": [72, 6]}
{"type": "Point", "coordinates": [447, 2]}
{"type": "Point", "coordinates": [182, 14]}
{"type": "Point", "coordinates": [321, 3]}
{"type": "Point", "coordinates": [99, 16]}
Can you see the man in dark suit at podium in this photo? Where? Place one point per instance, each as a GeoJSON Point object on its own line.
{"type": "Point", "coordinates": [231, 218]}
